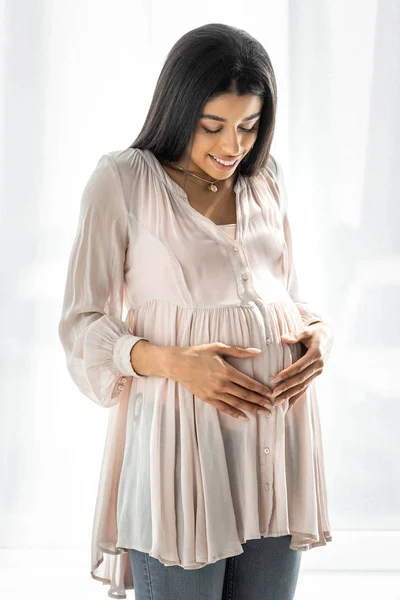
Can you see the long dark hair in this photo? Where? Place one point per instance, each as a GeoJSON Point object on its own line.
{"type": "Point", "coordinates": [203, 64]}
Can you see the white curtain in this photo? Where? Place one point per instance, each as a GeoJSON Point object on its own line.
{"type": "Point", "coordinates": [77, 79]}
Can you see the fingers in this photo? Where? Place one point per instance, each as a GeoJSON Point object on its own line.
{"type": "Point", "coordinates": [240, 391]}
{"type": "Point", "coordinates": [294, 387]}
{"type": "Point", "coordinates": [243, 395]}
{"type": "Point", "coordinates": [312, 360]}
{"type": "Point", "coordinates": [246, 382]}
{"type": "Point", "coordinates": [295, 399]}
{"type": "Point", "coordinates": [292, 391]}
{"type": "Point", "coordinates": [232, 405]}
{"type": "Point", "coordinates": [228, 409]}
{"type": "Point", "coordinates": [298, 379]}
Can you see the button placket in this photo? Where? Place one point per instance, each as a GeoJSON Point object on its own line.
{"type": "Point", "coordinates": [267, 451]}
{"type": "Point", "coordinates": [268, 337]}
{"type": "Point", "coordinates": [266, 466]}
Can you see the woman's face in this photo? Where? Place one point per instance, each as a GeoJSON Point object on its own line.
{"type": "Point", "coordinates": [224, 131]}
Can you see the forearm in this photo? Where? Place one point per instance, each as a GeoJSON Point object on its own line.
{"type": "Point", "coordinates": [152, 360]}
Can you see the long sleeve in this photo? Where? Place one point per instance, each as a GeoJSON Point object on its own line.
{"type": "Point", "coordinates": [308, 314]}
{"type": "Point", "coordinates": [97, 343]}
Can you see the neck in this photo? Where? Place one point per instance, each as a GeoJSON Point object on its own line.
{"type": "Point", "coordinates": [224, 185]}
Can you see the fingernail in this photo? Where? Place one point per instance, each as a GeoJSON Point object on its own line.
{"type": "Point", "coordinates": [243, 417]}
{"type": "Point", "coordinates": [252, 349]}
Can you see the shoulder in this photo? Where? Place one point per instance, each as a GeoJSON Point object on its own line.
{"type": "Point", "coordinates": [136, 168]}
{"type": "Point", "coordinates": [272, 164]}
{"type": "Point", "coordinates": [270, 171]}
{"type": "Point", "coordinates": [271, 176]}
{"type": "Point", "coordinates": [132, 160]}
{"type": "Point", "coordinates": [272, 168]}
{"type": "Point", "coordinates": [105, 188]}
{"type": "Point", "coordinates": [127, 172]}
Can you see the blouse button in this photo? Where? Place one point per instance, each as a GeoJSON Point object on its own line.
{"type": "Point", "coordinates": [269, 341]}
{"type": "Point", "coordinates": [268, 415]}
{"type": "Point", "coordinates": [259, 302]}
{"type": "Point", "coordinates": [120, 386]}
{"type": "Point", "coordinates": [266, 485]}
{"type": "Point", "coordinates": [245, 276]}
{"type": "Point", "coordinates": [266, 450]}
{"type": "Point", "coordinates": [235, 248]}
{"type": "Point", "coordinates": [123, 379]}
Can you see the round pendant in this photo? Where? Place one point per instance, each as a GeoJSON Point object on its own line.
{"type": "Point", "coordinates": [213, 187]}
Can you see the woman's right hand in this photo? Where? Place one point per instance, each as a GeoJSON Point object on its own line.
{"type": "Point", "coordinates": [208, 376]}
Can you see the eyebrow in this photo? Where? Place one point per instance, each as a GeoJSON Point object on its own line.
{"type": "Point", "coordinates": [215, 118]}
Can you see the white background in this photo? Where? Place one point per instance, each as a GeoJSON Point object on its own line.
{"type": "Point", "coordinates": [76, 81]}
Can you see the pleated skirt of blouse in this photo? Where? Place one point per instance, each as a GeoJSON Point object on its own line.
{"type": "Point", "coordinates": [188, 483]}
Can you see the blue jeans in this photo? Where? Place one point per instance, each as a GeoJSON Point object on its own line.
{"type": "Point", "coordinates": [267, 569]}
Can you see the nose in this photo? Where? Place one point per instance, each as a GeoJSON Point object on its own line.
{"type": "Point", "coordinates": [230, 145]}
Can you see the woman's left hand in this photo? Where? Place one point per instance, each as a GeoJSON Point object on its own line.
{"type": "Point", "coordinates": [293, 381]}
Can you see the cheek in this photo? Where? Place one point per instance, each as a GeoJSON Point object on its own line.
{"type": "Point", "coordinates": [201, 145]}
{"type": "Point", "coordinates": [251, 140]}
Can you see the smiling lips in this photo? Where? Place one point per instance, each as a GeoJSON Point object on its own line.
{"type": "Point", "coordinates": [225, 161]}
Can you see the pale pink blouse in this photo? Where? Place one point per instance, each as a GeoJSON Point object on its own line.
{"type": "Point", "coordinates": [180, 479]}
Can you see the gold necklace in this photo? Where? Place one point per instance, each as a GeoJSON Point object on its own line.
{"type": "Point", "coordinates": [212, 187]}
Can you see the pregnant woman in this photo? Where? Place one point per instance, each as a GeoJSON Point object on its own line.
{"type": "Point", "coordinates": [212, 480]}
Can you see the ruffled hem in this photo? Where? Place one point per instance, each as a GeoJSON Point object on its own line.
{"type": "Point", "coordinates": [300, 546]}
{"type": "Point", "coordinates": [300, 542]}
{"type": "Point", "coordinates": [116, 572]}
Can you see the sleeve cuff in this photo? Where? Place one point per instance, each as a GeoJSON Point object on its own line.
{"type": "Point", "coordinates": [122, 354]}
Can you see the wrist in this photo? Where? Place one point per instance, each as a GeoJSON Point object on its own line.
{"type": "Point", "coordinates": [151, 360]}
{"type": "Point", "coordinates": [170, 360]}
{"type": "Point", "coordinates": [138, 357]}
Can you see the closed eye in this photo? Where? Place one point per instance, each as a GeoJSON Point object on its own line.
{"type": "Point", "coordinates": [218, 130]}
